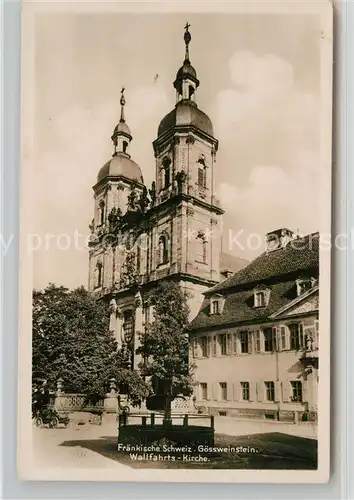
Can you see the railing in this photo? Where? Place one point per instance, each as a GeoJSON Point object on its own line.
{"type": "Point", "coordinates": [156, 419]}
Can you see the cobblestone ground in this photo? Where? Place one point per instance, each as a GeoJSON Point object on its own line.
{"type": "Point", "coordinates": [95, 446]}
{"type": "Point", "coordinates": [50, 448]}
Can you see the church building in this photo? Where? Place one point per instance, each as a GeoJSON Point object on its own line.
{"type": "Point", "coordinates": [254, 326]}
{"type": "Point", "coordinates": [171, 230]}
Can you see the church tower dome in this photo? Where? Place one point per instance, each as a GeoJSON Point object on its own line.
{"type": "Point", "coordinates": [121, 165]}
{"type": "Point", "coordinates": [186, 112]}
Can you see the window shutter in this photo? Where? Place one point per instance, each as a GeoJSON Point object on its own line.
{"type": "Point", "coordinates": [236, 391]}
{"type": "Point", "coordinates": [210, 391]}
{"type": "Point", "coordinates": [261, 334]}
{"type": "Point", "coordinates": [275, 339]}
{"type": "Point", "coordinates": [302, 331]}
{"type": "Point", "coordinates": [208, 343]}
{"type": "Point", "coordinates": [195, 348]}
{"type": "Point", "coordinates": [229, 344]}
{"type": "Point", "coordinates": [260, 392]}
{"type": "Point", "coordinates": [198, 391]}
{"type": "Point", "coordinates": [190, 350]}
{"type": "Point", "coordinates": [286, 391]}
{"type": "Point", "coordinates": [287, 338]}
{"type": "Point", "coordinates": [229, 389]}
{"type": "Point", "coordinates": [250, 342]}
{"type": "Point", "coordinates": [235, 344]}
{"type": "Point", "coordinates": [253, 391]}
{"type": "Point", "coordinates": [259, 341]}
{"type": "Point", "coordinates": [305, 392]}
{"type": "Point", "coordinates": [277, 389]}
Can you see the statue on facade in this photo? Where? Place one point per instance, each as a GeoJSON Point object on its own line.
{"type": "Point", "coordinates": [152, 193]}
{"type": "Point", "coordinates": [308, 342]}
{"type": "Point", "coordinates": [133, 201]}
{"type": "Point", "coordinates": [144, 200]}
{"type": "Point", "coordinates": [92, 226]}
{"type": "Point", "coordinates": [181, 179]}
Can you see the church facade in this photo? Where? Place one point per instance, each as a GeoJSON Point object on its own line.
{"type": "Point", "coordinates": [254, 328]}
{"type": "Point", "coordinates": [171, 230]}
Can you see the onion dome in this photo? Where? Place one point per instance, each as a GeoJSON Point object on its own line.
{"type": "Point", "coordinates": [186, 114]}
{"type": "Point", "coordinates": [121, 165]}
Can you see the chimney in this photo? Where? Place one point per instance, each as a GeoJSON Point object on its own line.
{"type": "Point", "coordinates": [278, 239]}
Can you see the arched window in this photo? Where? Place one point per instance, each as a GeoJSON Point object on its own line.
{"type": "Point", "coordinates": [167, 172]}
{"type": "Point", "coordinates": [163, 249]}
{"type": "Point", "coordinates": [190, 91]}
{"type": "Point", "coordinates": [125, 146]}
{"type": "Point", "coordinates": [102, 214]}
{"type": "Point", "coordinates": [98, 274]}
{"type": "Point", "coordinates": [128, 325]}
{"type": "Point", "coordinates": [202, 170]}
{"type": "Point", "coordinates": [201, 248]}
{"type": "Point", "coordinates": [204, 252]}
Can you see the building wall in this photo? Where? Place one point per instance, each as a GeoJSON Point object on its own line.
{"type": "Point", "coordinates": [280, 367]}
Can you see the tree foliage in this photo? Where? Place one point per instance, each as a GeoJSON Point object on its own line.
{"type": "Point", "coordinates": [71, 340]}
{"type": "Point", "coordinates": [164, 345]}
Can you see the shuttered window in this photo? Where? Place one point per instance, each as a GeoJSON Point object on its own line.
{"type": "Point", "coordinates": [204, 345]}
{"type": "Point", "coordinates": [269, 340]}
{"type": "Point", "coordinates": [223, 391]}
{"type": "Point", "coordinates": [222, 344]}
{"type": "Point", "coordinates": [244, 342]}
{"type": "Point", "coordinates": [245, 388]}
{"type": "Point", "coordinates": [269, 391]}
{"type": "Point", "coordinates": [204, 390]}
{"type": "Point", "coordinates": [296, 387]}
{"type": "Point", "coordinates": [296, 336]}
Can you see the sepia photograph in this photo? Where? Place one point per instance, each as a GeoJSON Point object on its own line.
{"type": "Point", "coordinates": [176, 241]}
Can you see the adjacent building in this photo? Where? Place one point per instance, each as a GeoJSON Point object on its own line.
{"type": "Point", "coordinates": [255, 339]}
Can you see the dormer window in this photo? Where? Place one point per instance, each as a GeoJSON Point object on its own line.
{"type": "Point", "coordinates": [216, 304]}
{"type": "Point", "coordinates": [304, 284]}
{"type": "Point", "coordinates": [215, 307]}
{"type": "Point", "coordinates": [259, 299]}
{"type": "Point", "coordinates": [261, 296]}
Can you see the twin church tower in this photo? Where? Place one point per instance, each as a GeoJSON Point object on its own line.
{"type": "Point", "coordinates": [171, 230]}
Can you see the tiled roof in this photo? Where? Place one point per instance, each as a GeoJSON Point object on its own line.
{"type": "Point", "coordinates": [277, 269]}
{"type": "Point", "coordinates": [299, 255]}
{"type": "Point", "coordinates": [233, 263]}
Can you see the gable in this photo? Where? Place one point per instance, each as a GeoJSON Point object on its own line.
{"type": "Point", "coordinates": [301, 305]}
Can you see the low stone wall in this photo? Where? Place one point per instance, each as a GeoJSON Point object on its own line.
{"type": "Point", "coordinates": [264, 414]}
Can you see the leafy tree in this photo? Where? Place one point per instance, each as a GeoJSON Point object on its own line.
{"type": "Point", "coordinates": [71, 340]}
{"type": "Point", "coordinates": [164, 346]}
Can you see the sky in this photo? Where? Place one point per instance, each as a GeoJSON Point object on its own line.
{"type": "Point", "coordinates": [259, 83]}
